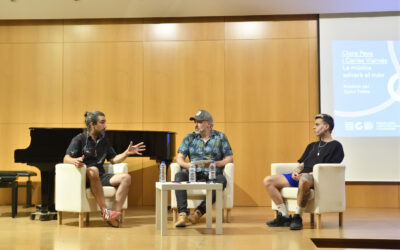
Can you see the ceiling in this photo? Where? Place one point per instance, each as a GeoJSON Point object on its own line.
{"type": "Point", "coordinates": [83, 9]}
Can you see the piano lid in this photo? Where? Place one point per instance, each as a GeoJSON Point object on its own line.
{"type": "Point", "coordinates": [50, 144]}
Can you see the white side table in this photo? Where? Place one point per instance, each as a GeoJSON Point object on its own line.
{"type": "Point", "coordinates": [162, 197]}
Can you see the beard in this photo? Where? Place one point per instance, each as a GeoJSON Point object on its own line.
{"type": "Point", "coordinates": [198, 131]}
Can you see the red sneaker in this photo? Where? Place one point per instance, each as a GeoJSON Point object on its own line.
{"type": "Point", "coordinates": [109, 214]}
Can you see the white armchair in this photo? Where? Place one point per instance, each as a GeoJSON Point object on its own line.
{"type": "Point", "coordinates": [196, 196]}
{"type": "Point", "coordinates": [327, 196]}
{"type": "Point", "coordinates": [73, 196]}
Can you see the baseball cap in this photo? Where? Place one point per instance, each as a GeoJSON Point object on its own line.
{"type": "Point", "coordinates": [202, 115]}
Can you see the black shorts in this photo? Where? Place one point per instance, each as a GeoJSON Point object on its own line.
{"type": "Point", "coordinates": [104, 179]}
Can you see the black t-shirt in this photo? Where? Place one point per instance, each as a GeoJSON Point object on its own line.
{"type": "Point", "coordinates": [321, 152]}
{"type": "Point", "coordinates": [95, 151]}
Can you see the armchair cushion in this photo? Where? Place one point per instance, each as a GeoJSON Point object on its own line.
{"type": "Point", "coordinates": [108, 192]}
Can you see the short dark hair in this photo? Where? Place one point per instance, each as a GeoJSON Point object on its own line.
{"type": "Point", "coordinates": [326, 119]}
{"type": "Point", "coordinates": [92, 117]}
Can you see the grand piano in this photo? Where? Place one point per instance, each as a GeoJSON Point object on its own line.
{"type": "Point", "coordinates": [48, 147]}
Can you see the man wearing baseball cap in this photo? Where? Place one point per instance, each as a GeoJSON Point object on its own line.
{"type": "Point", "coordinates": [201, 146]}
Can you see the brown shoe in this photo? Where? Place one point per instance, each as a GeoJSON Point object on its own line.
{"type": "Point", "coordinates": [114, 223]}
{"type": "Point", "coordinates": [182, 220]}
{"type": "Point", "coordinates": [194, 218]}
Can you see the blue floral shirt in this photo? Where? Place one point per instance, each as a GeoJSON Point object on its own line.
{"type": "Point", "coordinates": [216, 148]}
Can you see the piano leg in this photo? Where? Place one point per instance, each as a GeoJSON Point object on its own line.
{"type": "Point", "coordinates": [52, 188]}
{"type": "Point", "coordinates": [47, 209]}
{"type": "Point", "coordinates": [47, 191]}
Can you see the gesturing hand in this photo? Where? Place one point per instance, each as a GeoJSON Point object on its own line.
{"type": "Point", "coordinates": [136, 149]}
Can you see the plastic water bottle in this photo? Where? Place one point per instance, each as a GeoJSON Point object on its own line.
{"type": "Point", "coordinates": [192, 172]}
{"type": "Point", "coordinates": [211, 172]}
{"type": "Point", "coordinates": [163, 172]}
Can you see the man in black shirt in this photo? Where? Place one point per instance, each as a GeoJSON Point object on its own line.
{"type": "Point", "coordinates": [326, 150]}
{"type": "Point", "coordinates": [91, 148]}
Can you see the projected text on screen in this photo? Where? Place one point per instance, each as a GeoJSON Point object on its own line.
{"type": "Point", "coordinates": [366, 77]}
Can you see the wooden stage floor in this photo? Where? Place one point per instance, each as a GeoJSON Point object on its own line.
{"type": "Point", "coordinates": [247, 230]}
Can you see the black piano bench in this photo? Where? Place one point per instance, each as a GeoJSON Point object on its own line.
{"type": "Point", "coordinates": [8, 179]}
